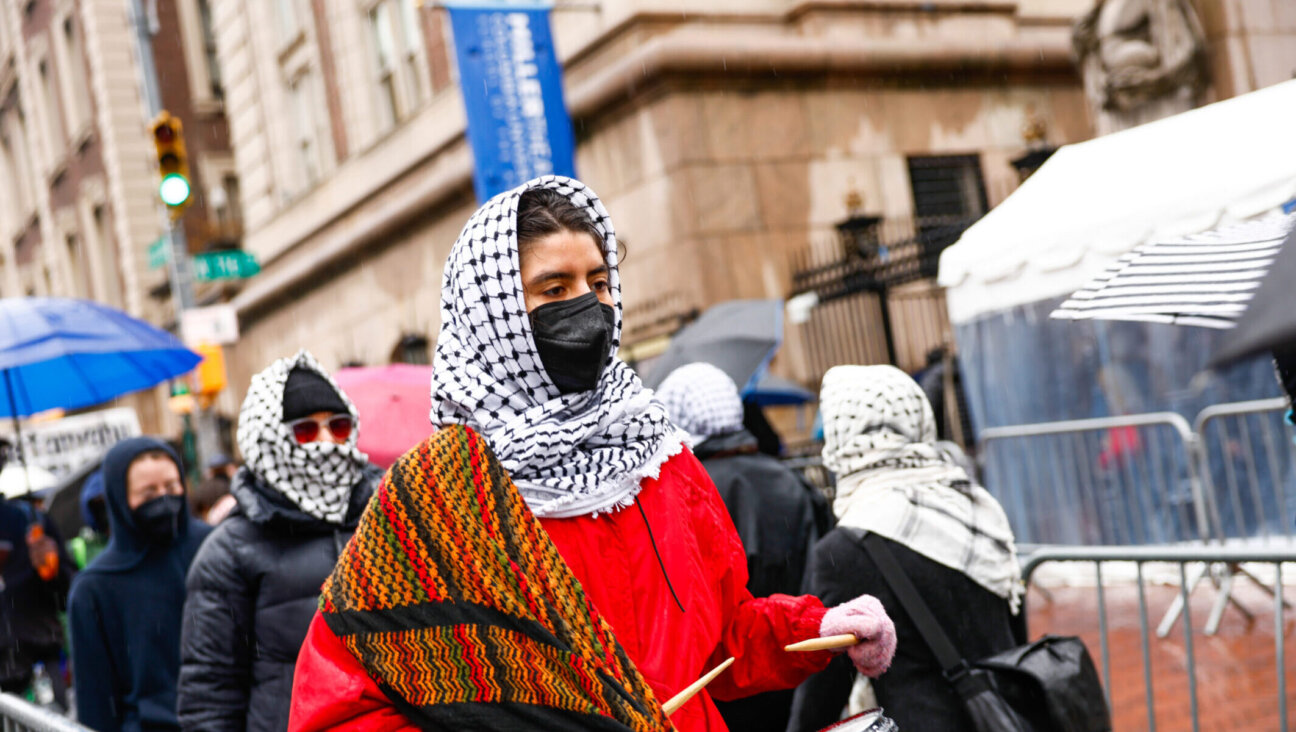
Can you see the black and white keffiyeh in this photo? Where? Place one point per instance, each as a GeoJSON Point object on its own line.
{"type": "Point", "coordinates": [317, 477]}
{"type": "Point", "coordinates": [879, 438]}
{"type": "Point", "coordinates": [569, 455]}
{"type": "Point", "coordinates": [702, 400]}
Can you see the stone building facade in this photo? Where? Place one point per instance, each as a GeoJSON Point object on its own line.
{"type": "Point", "coordinates": [726, 143]}
{"type": "Point", "coordinates": [78, 185]}
{"type": "Point", "coordinates": [721, 141]}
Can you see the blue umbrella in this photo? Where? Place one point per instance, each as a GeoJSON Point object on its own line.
{"type": "Point", "coordinates": [63, 353]}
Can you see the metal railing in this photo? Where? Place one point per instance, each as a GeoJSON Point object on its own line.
{"type": "Point", "coordinates": [1248, 469]}
{"type": "Point", "coordinates": [1148, 478]}
{"type": "Point", "coordinates": [1110, 481]}
{"type": "Point", "coordinates": [1180, 557]}
{"type": "Point", "coordinates": [19, 715]}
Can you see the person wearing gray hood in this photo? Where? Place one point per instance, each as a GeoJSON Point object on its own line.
{"type": "Point", "coordinates": [254, 586]}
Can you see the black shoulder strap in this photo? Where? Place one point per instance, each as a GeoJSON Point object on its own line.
{"type": "Point", "coordinates": [939, 643]}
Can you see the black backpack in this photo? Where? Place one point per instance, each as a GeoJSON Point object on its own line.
{"type": "Point", "coordinates": [1050, 685]}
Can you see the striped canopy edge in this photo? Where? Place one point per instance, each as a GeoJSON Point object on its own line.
{"type": "Point", "coordinates": [1204, 279]}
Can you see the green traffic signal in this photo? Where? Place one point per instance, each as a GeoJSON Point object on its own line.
{"type": "Point", "coordinates": [174, 189]}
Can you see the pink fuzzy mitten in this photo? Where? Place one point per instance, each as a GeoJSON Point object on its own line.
{"type": "Point", "coordinates": [864, 618]}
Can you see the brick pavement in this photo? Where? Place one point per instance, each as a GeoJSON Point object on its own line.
{"type": "Point", "coordinates": [1237, 681]}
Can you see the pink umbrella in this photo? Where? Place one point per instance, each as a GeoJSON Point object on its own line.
{"type": "Point", "coordinates": [393, 403]}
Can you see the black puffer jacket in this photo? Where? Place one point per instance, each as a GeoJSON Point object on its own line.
{"type": "Point", "coordinates": [779, 516]}
{"type": "Point", "coordinates": [913, 691]}
{"type": "Point", "coordinates": [252, 591]}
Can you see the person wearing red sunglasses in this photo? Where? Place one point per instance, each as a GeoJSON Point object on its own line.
{"type": "Point", "coordinates": [322, 427]}
{"type": "Point", "coordinates": [254, 586]}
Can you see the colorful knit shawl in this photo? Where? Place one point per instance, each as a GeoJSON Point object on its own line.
{"type": "Point", "coordinates": [459, 606]}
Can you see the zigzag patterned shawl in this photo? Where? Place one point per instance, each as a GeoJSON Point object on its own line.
{"type": "Point", "coordinates": [460, 607]}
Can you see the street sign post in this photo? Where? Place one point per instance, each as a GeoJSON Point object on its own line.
{"type": "Point", "coordinates": [216, 324]}
{"type": "Point", "coordinates": [159, 253]}
{"type": "Point", "coordinates": [231, 265]}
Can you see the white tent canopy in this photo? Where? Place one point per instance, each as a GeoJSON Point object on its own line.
{"type": "Point", "coordinates": [1096, 200]}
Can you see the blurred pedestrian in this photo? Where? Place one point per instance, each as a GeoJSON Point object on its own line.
{"type": "Point", "coordinates": [211, 501]}
{"type": "Point", "coordinates": [1285, 368]}
{"type": "Point", "coordinates": [948, 534]}
{"type": "Point", "coordinates": [526, 357]}
{"type": "Point", "coordinates": [255, 584]}
{"type": "Point", "coordinates": [125, 609]}
{"type": "Point", "coordinates": [92, 539]}
{"type": "Point", "coordinates": [778, 516]}
{"type": "Point", "coordinates": [768, 440]}
{"type": "Point", "coordinates": [36, 573]}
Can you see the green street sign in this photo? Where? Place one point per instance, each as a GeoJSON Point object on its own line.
{"type": "Point", "coordinates": [231, 265]}
{"type": "Point", "coordinates": [159, 254]}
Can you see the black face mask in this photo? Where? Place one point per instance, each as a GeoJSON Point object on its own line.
{"type": "Point", "coordinates": [574, 338]}
{"type": "Point", "coordinates": [159, 520]}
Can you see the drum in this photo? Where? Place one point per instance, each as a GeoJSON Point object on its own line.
{"type": "Point", "coordinates": [871, 721]}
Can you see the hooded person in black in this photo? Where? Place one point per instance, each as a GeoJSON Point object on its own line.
{"type": "Point", "coordinates": [255, 585]}
{"type": "Point", "coordinates": [778, 516]}
{"type": "Point", "coordinates": [125, 608]}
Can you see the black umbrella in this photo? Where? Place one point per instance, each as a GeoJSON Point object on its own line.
{"type": "Point", "coordinates": [739, 337]}
{"type": "Point", "coordinates": [1270, 319]}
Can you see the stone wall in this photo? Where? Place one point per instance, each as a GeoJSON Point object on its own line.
{"type": "Point", "coordinates": [713, 190]}
{"type": "Point", "coordinates": [723, 142]}
{"type": "Point", "coordinates": [1251, 43]}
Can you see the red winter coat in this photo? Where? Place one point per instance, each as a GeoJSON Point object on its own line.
{"type": "Point", "coordinates": [613, 557]}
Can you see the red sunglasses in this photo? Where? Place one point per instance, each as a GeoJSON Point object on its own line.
{"type": "Point", "coordinates": [307, 429]}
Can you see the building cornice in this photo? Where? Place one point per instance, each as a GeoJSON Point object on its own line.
{"type": "Point", "coordinates": [684, 52]}
{"type": "Point", "coordinates": [694, 54]}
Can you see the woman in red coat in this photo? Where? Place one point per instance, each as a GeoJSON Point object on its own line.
{"type": "Point", "coordinates": [526, 357]}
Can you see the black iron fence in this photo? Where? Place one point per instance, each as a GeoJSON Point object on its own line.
{"type": "Point", "coordinates": [1167, 707]}
{"type": "Point", "coordinates": [874, 293]}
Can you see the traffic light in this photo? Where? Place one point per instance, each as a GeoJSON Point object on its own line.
{"type": "Point", "coordinates": [173, 162]}
{"type": "Point", "coordinates": [209, 377]}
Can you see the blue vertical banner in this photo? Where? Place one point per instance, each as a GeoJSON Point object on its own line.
{"type": "Point", "coordinates": [518, 124]}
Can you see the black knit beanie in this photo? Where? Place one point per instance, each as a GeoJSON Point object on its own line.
{"type": "Point", "coordinates": [307, 392]}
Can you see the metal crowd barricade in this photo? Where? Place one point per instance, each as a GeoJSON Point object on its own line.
{"type": "Point", "coordinates": [1250, 489]}
{"type": "Point", "coordinates": [1122, 480]}
{"type": "Point", "coordinates": [1180, 556]}
{"type": "Point", "coordinates": [19, 715]}
{"type": "Point", "coordinates": [1248, 465]}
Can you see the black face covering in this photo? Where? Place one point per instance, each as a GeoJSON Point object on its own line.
{"type": "Point", "coordinates": [159, 519]}
{"type": "Point", "coordinates": [574, 338]}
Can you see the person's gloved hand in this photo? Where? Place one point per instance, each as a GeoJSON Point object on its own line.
{"type": "Point", "coordinates": [866, 619]}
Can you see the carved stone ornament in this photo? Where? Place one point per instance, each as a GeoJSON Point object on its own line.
{"type": "Point", "coordinates": [1141, 60]}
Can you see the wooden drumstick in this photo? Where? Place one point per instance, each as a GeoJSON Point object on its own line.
{"type": "Point", "coordinates": [691, 691]}
{"type": "Point", "coordinates": [827, 643]}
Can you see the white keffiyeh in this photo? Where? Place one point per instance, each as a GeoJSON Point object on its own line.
{"type": "Point", "coordinates": [702, 400]}
{"type": "Point", "coordinates": [317, 477]}
{"type": "Point", "coordinates": [569, 455]}
{"type": "Point", "coordinates": [879, 435]}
